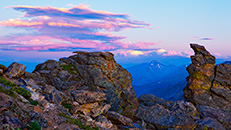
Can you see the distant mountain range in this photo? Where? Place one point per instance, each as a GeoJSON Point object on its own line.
{"type": "Point", "coordinates": [165, 81]}
{"type": "Point", "coordinates": [149, 72]}
{"type": "Point", "coordinates": [227, 62]}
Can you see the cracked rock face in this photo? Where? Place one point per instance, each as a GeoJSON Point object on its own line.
{"type": "Point", "coordinates": [97, 72]}
{"type": "Point", "coordinates": [208, 84]}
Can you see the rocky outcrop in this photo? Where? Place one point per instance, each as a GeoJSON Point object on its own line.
{"type": "Point", "coordinates": [3, 69]}
{"type": "Point", "coordinates": [166, 114]}
{"type": "Point", "coordinates": [95, 76]}
{"type": "Point", "coordinates": [91, 91]}
{"type": "Point", "coordinates": [73, 93]}
{"type": "Point", "coordinates": [207, 95]}
{"type": "Point", "coordinates": [16, 70]}
{"type": "Point", "coordinates": [119, 119]}
{"type": "Point", "coordinates": [208, 84]}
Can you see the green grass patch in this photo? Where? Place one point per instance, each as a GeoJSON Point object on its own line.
{"type": "Point", "coordinates": [33, 102]}
{"type": "Point", "coordinates": [34, 126]}
{"type": "Point", "coordinates": [2, 66]}
{"type": "Point", "coordinates": [67, 105]}
{"type": "Point", "coordinates": [70, 68]}
{"type": "Point", "coordinates": [76, 122]}
{"type": "Point", "coordinates": [8, 92]}
{"type": "Point", "coordinates": [7, 83]}
{"type": "Point", "coordinates": [21, 91]}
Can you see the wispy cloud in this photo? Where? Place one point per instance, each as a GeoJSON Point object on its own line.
{"type": "Point", "coordinates": [202, 38]}
{"type": "Point", "coordinates": [178, 53]}
{"type": "Point", "coordinates": [206, 38]}
{"type": "Point", "coordinates": [70, 29]}
{"type": "Point", "coordinates": [76, 28]}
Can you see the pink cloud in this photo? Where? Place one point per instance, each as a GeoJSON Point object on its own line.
{"type": "Point", "coordinates": [178, 53]}
{"type": "Point", "coordinates": [78, 27]}
{"type": "Point", "coordinates": [205, 38]}
{"type": "Point", "coordinates": [202, 38]}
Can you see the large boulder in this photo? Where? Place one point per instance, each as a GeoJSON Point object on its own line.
{"type": "Point", "coordinates": [166, 114]}
{"type": "Point", "coordinates": [103, 123]}
{"type": "Point", "coordinates": [93, 77]}
{"type": "Point", "coordinates": [119, 119]}
{"type": "Point", "coordinates": [217, 114]}
{"type": "Point", "coordinates": [15, 70]}
{"type": "Point", "coordinates": [3, 69]}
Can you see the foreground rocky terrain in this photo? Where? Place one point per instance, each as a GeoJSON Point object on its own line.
{"type": "Point", "coordinates": [91, 91]}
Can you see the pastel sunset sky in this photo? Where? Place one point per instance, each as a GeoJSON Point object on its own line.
{"type": "Point", "coordinates": [135, 31]}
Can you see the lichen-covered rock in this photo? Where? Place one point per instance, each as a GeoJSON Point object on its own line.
{"type": "Point", "coordinates": [83, 96]}
{"type": "Point", "coordinates": [15, 70]}
{"type": "Point", "coordinates": [1, 72]}
{"type": "Point", "coordinates": [11, 113]}
{"type": "Point", "coordinates": [86, 84]}
{"type": "Point", "coordinates": [102, 73]}
{"type": "Point", "coordinates": [208, 84]}
{"type": "Point", "coordinates": [222, 85]}
{"type": "Point", "coordinates": [221, 115]}
{"type": "Point", "coordinates": [55, 97]}
{"type": "Point", "coordinates": [209, 88]}
{"type": "Point", "coordinates": [166, 114]}
{"type": "Point", "coordinates": [119, 119]}
{"type": "Point", "coordinates": [209, 123]}
{"type": "Point", "coordinates": [95, 72]}
{"type": "Point", "coordinates": [103, 123]}
{"type": "Point", "coordinates": [4, 68]}
{"type": "Point", "coordinates": [151, 100]}
{"type": "Point", "coordinates": [91, 109]}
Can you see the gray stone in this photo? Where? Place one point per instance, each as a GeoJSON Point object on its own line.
{"type": "Point", "coordinates": [15, 70]}
{"type": "Point", "coordinates": [83, 96]}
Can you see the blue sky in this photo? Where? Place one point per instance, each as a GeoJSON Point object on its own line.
{"type": "Point", "coordinates": [135, 31]}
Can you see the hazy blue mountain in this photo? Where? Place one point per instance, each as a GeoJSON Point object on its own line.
{"type": "Point", "coordinates": [227, 62]}
{"type": "Point", "coordinates": [149, 72]}
{"type": "Point", "coordinates": [170, 87]}
{"type": "Point", "coordinates": [165, 81]}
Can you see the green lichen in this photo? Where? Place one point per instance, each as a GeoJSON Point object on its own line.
{"type": "Point", "coordinates": [70, 68]}
{"type": "Point", "coordinates": [8, 92]}
{"type": "Point", "coordinates": [6, 82]}
{"type": "Point", "coordinates": [2, 66]}
{"type": "Point", "coordinates": [33, 102]}
{"type": "Point", "coordinates": [67, 105]}
{"type": "Point", "coordinates": [34, 126]}
{"type": "Point", "coordinates": [21, 91]}
{"type": "Point", "coordinates": [71, 120]}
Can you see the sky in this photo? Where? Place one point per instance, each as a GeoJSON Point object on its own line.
{"type": "Point", "coordinates": [135, 31]}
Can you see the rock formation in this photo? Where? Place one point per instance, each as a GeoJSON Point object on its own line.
{"type": "Point", "coordinates": [208, 84]}
{"type": "Point", "coordinates": [91, 91]}
{"type": "Point", "coordinates": [82, 87]}
{"type": "Point", "coordinates": [207, 96]}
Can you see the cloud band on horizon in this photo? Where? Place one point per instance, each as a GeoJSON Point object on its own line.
{"type": "Point", "coordinates": [73, 28]}
{"type": "Point", "coordinates": [77, 28]}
